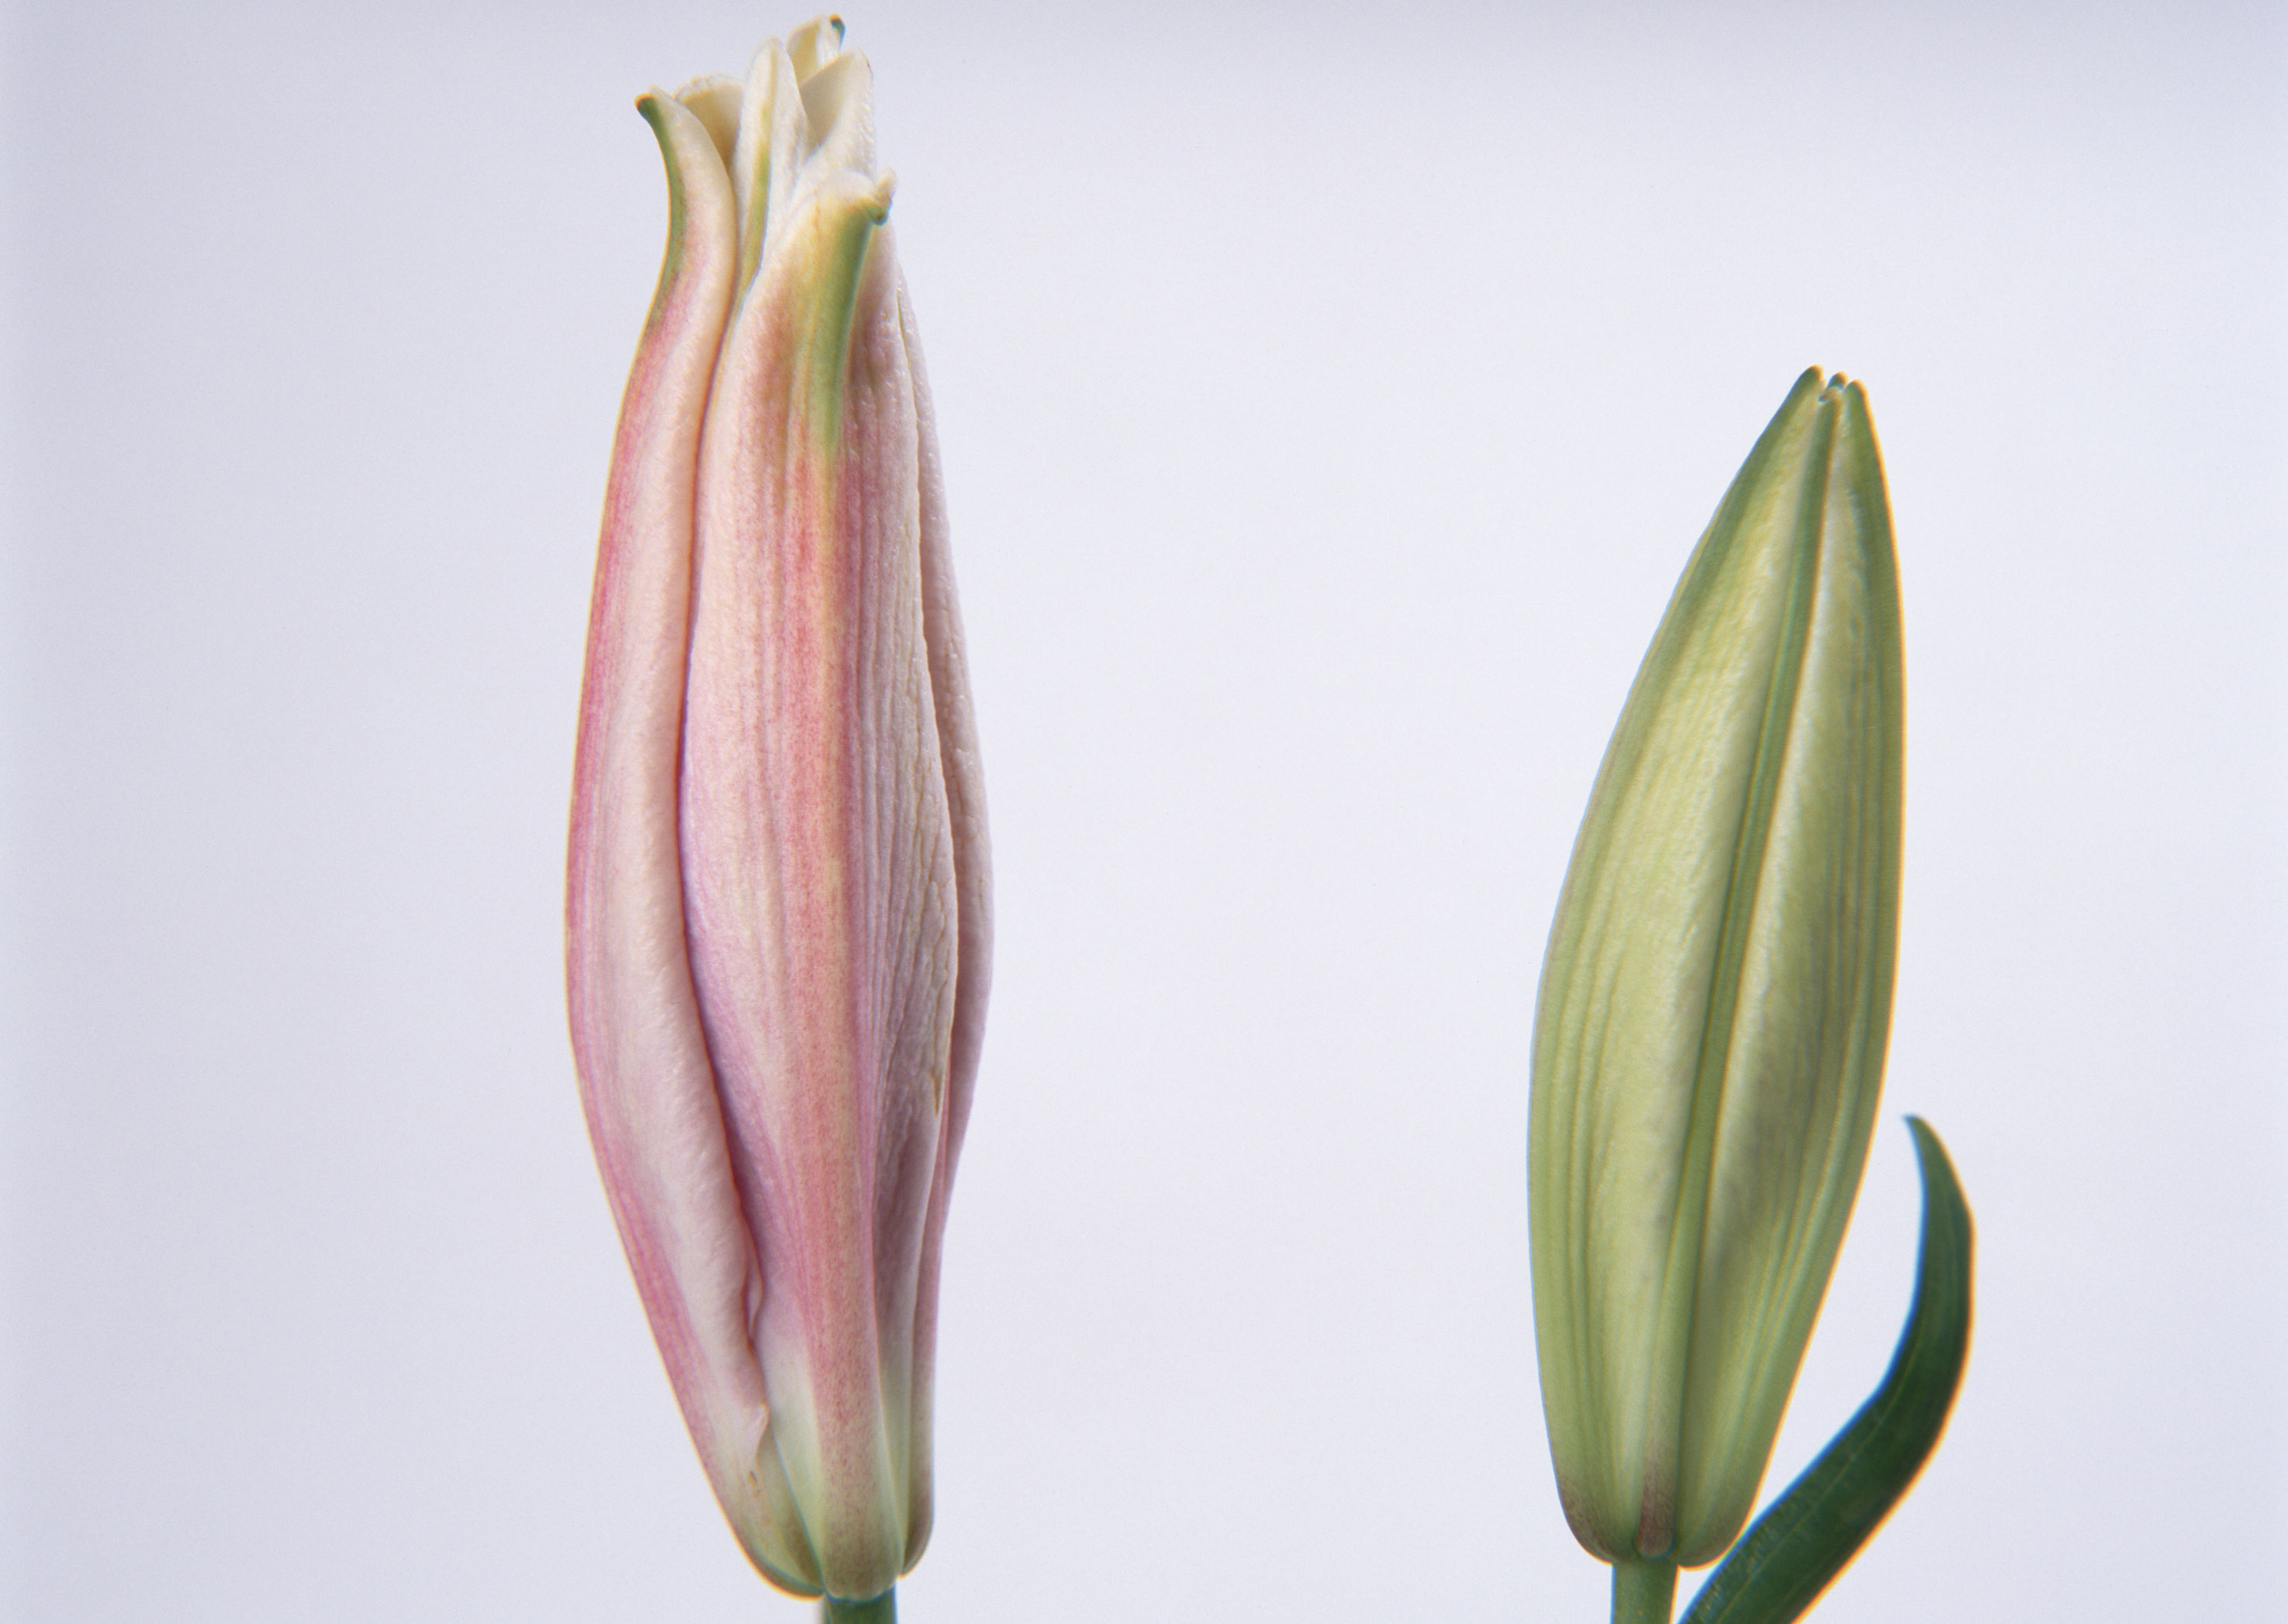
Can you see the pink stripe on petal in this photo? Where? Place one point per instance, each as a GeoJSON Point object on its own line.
{"type": "Point", "coordinates": [819, 859]}
{"type": "Point", "coordinates": [647, 1084]}
{"type": "Point", "coordinates": [973, 864]}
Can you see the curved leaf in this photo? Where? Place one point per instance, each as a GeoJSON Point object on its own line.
{"type": "Point", "coordinates": [1809, 1535]}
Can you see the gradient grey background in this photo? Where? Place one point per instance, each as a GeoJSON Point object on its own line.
{"type": "Point", "coordinates": [1331, 398]}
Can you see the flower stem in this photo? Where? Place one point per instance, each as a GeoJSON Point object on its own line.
{"type": "Point", "coordinates": [1643, 1592]}
{"type": "Point", "coordinates": [882, 1610]}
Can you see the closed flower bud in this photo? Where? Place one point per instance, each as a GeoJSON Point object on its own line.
{"type": "Point", "coordinates": [1715, 1003]}
{"type": "Point", "coordinates": [778, 924]}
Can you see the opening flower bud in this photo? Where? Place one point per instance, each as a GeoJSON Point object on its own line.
{"type": "Point", "coordinates": [1715, 1003]}
{"type": "Point", "coordinates": [778, 924]}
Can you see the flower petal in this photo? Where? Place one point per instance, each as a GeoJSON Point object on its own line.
{"type": "Point", "coordinates": [818, 849]}
{"type": "Point", "coordinates": [645, 1082]}
{"type": "Point", "coordinates": [973, 868]}
{"type": "Point", "coordinates": [1716, 996]}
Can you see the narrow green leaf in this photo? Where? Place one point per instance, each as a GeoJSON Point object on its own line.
{"type": "Point", "coordinates": [1807, 1536]}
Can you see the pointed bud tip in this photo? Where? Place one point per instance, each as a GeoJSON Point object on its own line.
{"type": "Point", "coordinates": [814, 44]}
{"type": "Point", "coordinates": [1841, 386]}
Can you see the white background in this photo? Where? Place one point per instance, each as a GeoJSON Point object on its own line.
{"type": "Point", "coordinates": [1330, 396]}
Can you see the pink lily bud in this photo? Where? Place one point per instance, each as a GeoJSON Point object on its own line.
{"type": "Point", "coordinates": [778, 921]}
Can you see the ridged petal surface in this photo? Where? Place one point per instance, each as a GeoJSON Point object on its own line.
{"type": "Point", "coordinates": [647, 1081]}
{"type": "Point", "coordinates": [821, 878]}
{"type": "Point", "coordinates": [780, 916]}
{"type": "Point", "coordinates": [1715, 1001]}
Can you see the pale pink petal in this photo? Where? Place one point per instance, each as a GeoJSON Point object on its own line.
{"type": "Point", "coordinates": [645, 1082]}
{"type": "Point", "coordinates": [973, 868]}
{"type": "Point", "coordinates": [819, 863]}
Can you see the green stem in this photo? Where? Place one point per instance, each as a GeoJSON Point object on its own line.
{"type": "Point", "coordinates": [1643, 1592]}
{"type": "Point", "coordinates": [882, 1610]}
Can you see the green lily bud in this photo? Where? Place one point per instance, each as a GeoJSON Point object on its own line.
{"type": "Point", "coordinates": [1709, 1044]}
